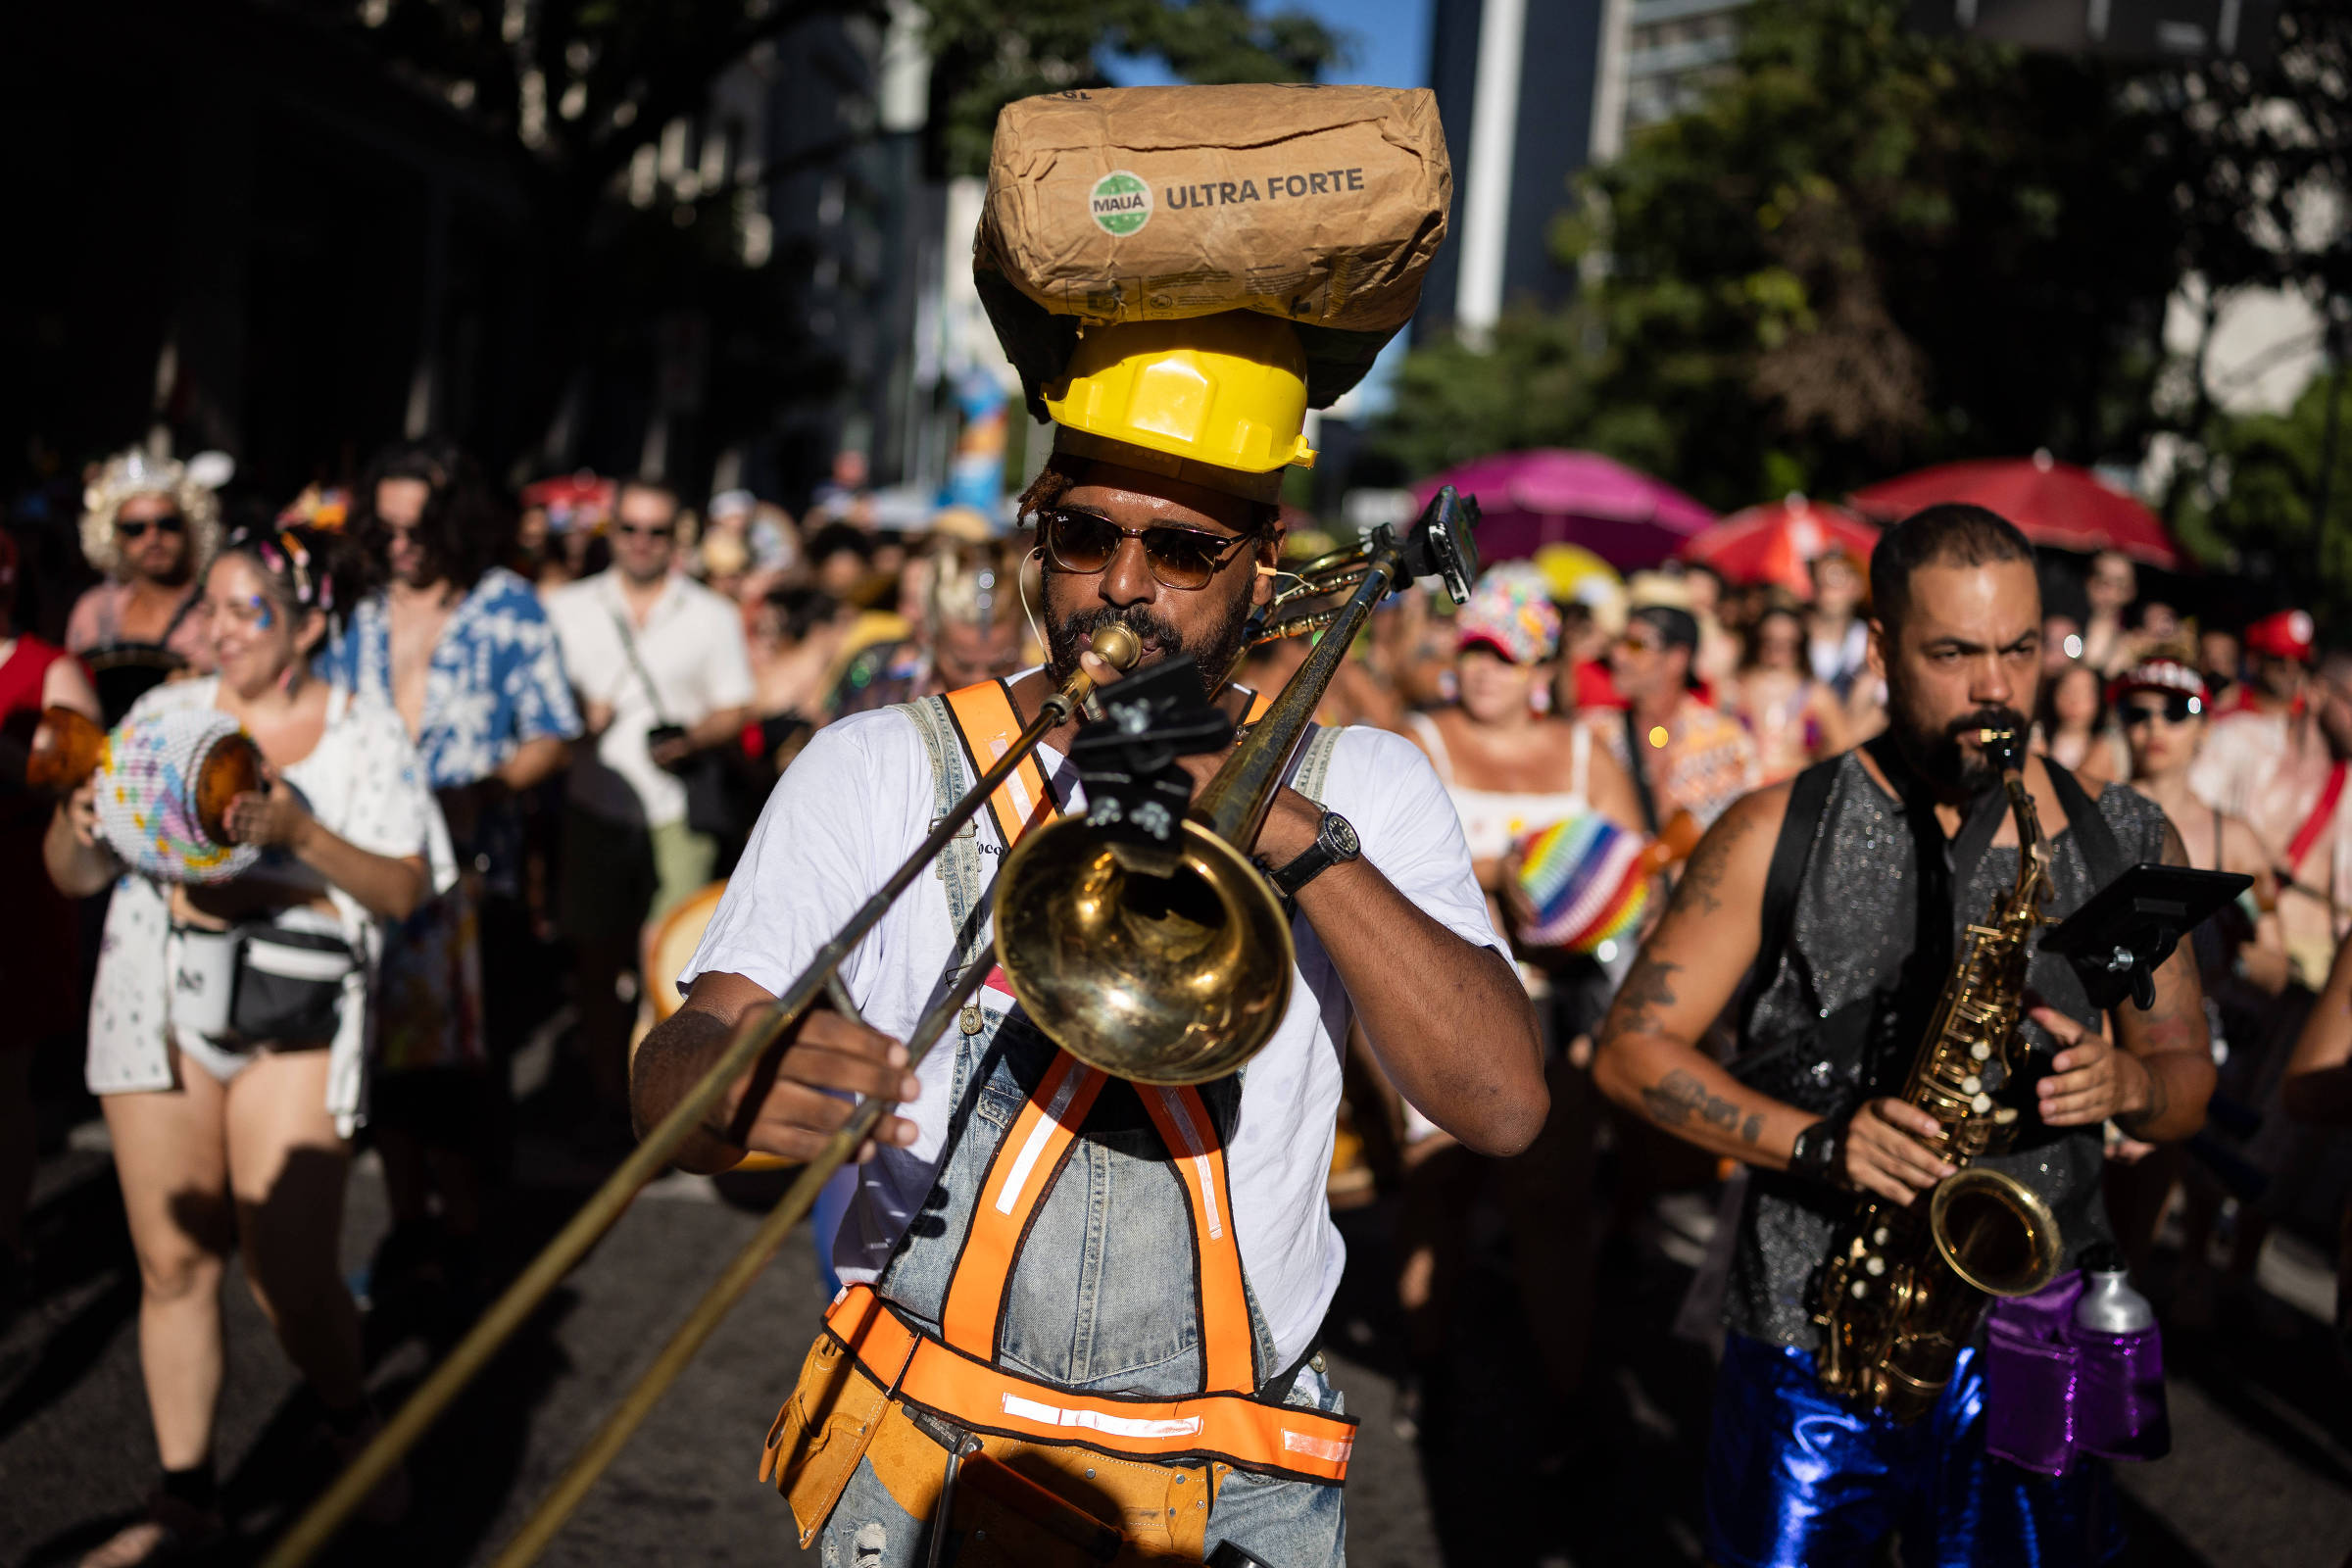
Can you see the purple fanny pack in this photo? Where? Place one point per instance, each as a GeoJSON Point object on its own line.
{"type": "Point", "coordinates": [2054, 1389]}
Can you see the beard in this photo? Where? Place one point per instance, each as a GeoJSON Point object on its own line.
{"type": "Point", "coordinates": [1937, 752]}
{"type": "Point", "coordinates": [1214, 654]}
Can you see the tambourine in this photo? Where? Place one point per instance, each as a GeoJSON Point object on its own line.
{"type": "Point", "coordinates": [164, 784]}
{"type": "Point", "coordinates": [1588, 879]}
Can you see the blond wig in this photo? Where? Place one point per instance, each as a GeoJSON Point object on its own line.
{"type": "Point", "coordinates": [194, 486]}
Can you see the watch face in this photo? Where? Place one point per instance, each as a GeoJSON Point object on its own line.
{"type": "Point", "coordinates": [1340, 835]}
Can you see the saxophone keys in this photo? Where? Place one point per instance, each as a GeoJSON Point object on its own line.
{"type": "Point", "coordinates": [1860, 1288]}
{"type": "Point", "coordinates": [1874, 1265]}
{"type": "Point", "coordinates": [1880, 1236]}
{"type": "Point", "coordinates": [1981, 1103]}
{"type": "Point", "coordinates": [1972, 1086]}
{"type": "Point", "coordinates": [1981, 1051]}
{"type": "Point", "coordinates": [2005, 1115]}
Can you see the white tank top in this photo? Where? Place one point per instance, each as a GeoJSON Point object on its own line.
{"type": "Point", "coordinates": [1493, 820]}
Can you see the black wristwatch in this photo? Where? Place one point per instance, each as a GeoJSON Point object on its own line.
{"type": "Point", "coordinates": [1335, 842]}
{"type": "Point", "coordinates": [1820, 1152]}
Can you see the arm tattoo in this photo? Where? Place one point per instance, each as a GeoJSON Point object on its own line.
{"type": "Point", "coordinates": [1698, 891]}
{"type": "Point", "coordinates": [1678, 1095]}
{"type": "Point", "coordinates": [1752, 1128]}
{"type": "Point", "coordinates": [1650, 987]}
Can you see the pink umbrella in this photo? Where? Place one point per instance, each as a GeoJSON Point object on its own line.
{"type": "Point", "coordinates": [1534, 499]}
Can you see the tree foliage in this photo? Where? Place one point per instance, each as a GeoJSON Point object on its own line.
{"type": "Point", "coordinates": [986, 53]}
{"type": "Point", "coordinates": [1868, 249]}
{"type": "Point", "coordinates": [2255, 496]}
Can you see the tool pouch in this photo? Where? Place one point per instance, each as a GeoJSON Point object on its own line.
{"type": "Point", "coordinates": [825, 1429]}
{"type": "Point", "coordinates": [1026, 1506]}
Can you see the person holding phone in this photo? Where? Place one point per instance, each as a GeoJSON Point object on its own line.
{"type": "Point", "coordinates": [663, 673]}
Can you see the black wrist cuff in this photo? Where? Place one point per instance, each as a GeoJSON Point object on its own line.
{"type": "Point", "coordinates": [1820, 1151]}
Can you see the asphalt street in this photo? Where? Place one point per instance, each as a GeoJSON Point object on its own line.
{"type": "Point", "coordinates": [2261, 1472]}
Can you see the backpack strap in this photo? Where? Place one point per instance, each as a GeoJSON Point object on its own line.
{"type": "Point", "coordinates": [1791, 853]}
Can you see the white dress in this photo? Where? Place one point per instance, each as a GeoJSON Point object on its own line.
{"type": "Point", "coordinates": [365, 784]}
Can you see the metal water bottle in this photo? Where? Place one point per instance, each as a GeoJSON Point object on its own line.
{"type": "Point", "coordinates": [2109, 1305]}
{"type": "Point", "coordinates": [2120, 1405]}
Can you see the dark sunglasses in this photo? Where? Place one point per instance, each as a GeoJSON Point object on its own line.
{"type": "Point", "coordinates": [1179, 557]}
{"type": "Point", "coordinates": [2176, 710]}
{"type": "Point", "coordinates": [633, 532]}
{"type": "Point", "coordinates": [136, 527]}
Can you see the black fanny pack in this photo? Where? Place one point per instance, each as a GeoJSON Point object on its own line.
{"type": "Point", "coordinates": [282, 985]}
{"type": "Point", "coordinates": [289, 983]}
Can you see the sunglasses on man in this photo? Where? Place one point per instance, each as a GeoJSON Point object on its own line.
{"type": "Point", "coordinates": [136, 527]}
{"type": "Point", "coordinates": [1084, 543]}
{"type": "Point", "coordinates": [632, 530]}
{"type": "Point", "coordinates": [2177, 709]}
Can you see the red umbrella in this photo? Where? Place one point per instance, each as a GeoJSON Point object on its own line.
{"type": "Point", "coordinates": [2055, 503]}
{"type": "Point", "coordinates": [1778, 540]}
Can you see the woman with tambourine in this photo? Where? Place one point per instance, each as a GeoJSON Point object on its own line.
{"type": "Point", "coordinates": [228, 1021]}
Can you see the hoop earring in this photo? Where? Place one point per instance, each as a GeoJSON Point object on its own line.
{"type": "Point", "coordinates": [1539, 697]}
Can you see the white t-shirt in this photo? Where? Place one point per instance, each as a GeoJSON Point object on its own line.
{"type": "Point", "coordinates": [856, 803]}
{"type": "Point", "coordinates": [365, 784]}
{"type": "Point", "coordinates": [693, 647]}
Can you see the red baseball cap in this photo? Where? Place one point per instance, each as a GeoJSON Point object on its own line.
{"type": "Point", "coordinates": [2288, 634]}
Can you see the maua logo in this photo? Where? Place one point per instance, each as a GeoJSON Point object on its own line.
{"type": "Point", "coordinates": [1122, 202]}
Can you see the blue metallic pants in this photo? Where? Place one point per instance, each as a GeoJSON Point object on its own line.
{"type": "Point", "coordinates": [1797, 1480]}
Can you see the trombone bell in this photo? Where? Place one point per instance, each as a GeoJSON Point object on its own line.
{"type": "Point", "coordinates": [1158, 979]}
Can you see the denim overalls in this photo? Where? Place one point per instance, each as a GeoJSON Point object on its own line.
{"type": "Point", "coordinates": [1065, 1274]}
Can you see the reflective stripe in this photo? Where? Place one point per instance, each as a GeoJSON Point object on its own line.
{"type": "Point", "coordinates": [1228, 1343]}
{"type": "Point", "coordinates": [1307, 1443]}
{"type": "Point", "coordinates": [1039, 1138]}
{"type": "Point", "coordinates": [984, 715]}
{"type": "Point", "coordinates": [1034, 1144]}
{"type": "Point", "coordinates": [1117, 1426]}
{"type": "Point", "coordinates": [1188, 1133]}
{"type": "Point", "coordinates": [1267, 1439]}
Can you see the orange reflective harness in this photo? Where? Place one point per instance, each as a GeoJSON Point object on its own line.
{"type": "Point", "coordinates": [870, 1356]}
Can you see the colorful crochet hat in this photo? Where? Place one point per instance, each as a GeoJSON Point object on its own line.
{"type": "Point", "coordinates": [1511, 612]}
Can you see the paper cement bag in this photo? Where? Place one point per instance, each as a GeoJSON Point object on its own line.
{"type": "Point", "coordinates": [1321, 205]}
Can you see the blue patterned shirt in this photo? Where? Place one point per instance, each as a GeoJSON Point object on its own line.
{"type": "Point", "coordinates": [496, 679]}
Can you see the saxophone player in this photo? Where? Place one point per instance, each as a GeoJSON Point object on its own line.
{"type": "Point", "coordinates": [1847, 890]}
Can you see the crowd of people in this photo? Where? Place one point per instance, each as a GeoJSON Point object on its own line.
{"type": "Point", "coordinates": [510, 738]}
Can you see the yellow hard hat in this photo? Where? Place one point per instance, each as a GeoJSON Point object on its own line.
{"type": "Point", "coordinates": [1223, 396]}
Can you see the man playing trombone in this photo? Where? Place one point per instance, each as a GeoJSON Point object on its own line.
{"type": "Point", "coordinates": [1081, 1311]}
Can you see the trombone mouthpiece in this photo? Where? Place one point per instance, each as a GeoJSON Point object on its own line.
{"type": "Point", "coordinates": [1118, 646]}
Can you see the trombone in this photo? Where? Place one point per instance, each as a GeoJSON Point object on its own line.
{"type": "Point", "coordinates": [1175, 969]}
{"type": "Point", "coordinates": [1236, 800]}
{"type": "Point", "coordinates": [754, 1038]}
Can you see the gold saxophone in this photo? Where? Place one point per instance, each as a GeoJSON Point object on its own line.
{"type": "Point", "coordinates": [1902, 1288]}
